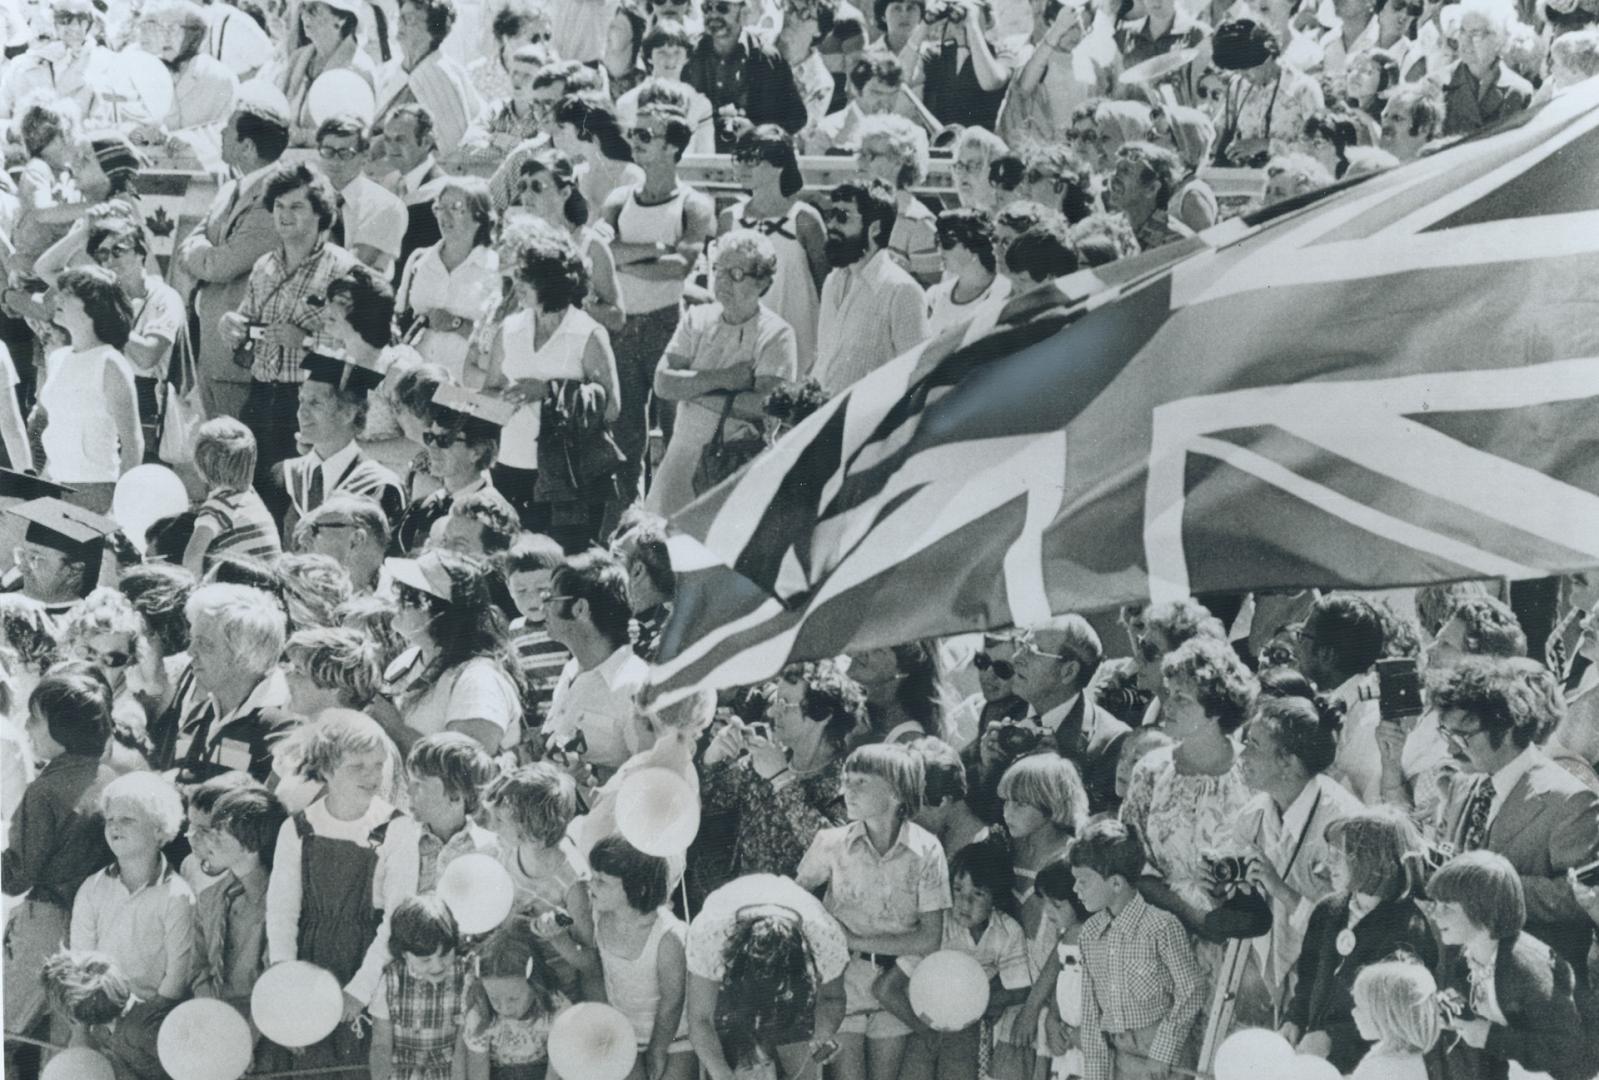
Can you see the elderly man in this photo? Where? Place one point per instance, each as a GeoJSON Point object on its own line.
{"type": "Point", "coordinates": [238, 701]}
{"type": "Point", "coordinates": [424, 75]}
{"type": "Point", "coordinates": [1481, 89]}
{"type": "Point", "coordinates": [61, 551]}
{"type": "Point", "coordinates": [353, 531]}
{"type": "Point", "coordinates": [1513, 800]}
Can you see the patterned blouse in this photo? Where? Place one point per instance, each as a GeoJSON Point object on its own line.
{"type": "Point", "coordinates": [426, 1017]}
{"type": "Point", "coordinates": [774, 828]}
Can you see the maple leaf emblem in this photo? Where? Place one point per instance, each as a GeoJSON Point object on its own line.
{"type": "Point", "coordinates": [160, 223]}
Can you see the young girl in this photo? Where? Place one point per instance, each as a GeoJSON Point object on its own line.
{"type": "Point", "coordinates": [509, 1007]}
{"type": "Point", "coordinates": [888, 885]}
{"type": "Point", "coordinates": [417, 1032]}
{"type": "Point", "coordinates": [1513, 996]}
{"type": "Point", "coordinates": [641, 945]}
{"type": "Point", "coordinates": [1063, 918]}
{"type": "Point", "coordinates": [1371, 915]}
{"type": "Point", "coordinates": [982, 922]}
{"type": "Point", "coordinates": [232, 518]}
{"type": "Point", "coordinates": [529, 809]}
{"type": "Point", "coordinates": [1396, 1009]}
{"type": "Point", "coordinates": [339, 870]}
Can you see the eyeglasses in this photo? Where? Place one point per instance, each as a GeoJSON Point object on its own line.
{"type": "Point", "coordinates": [642, 135]}
{"type": "Point", "coordinates": [338, 153]}
{"type": "Point", "coordinates": [409, 597]}
{"type": "Point", "coordinates": [22, 555]}
{"type": "Point", "coordinates": [534, 185]}
{"type": "Point", "coordinates": [1456, 737]}
{"type": "Point", "coordinates": [67, 18]}
{"type": "Point", "coordinates": [105, 255]}
{"type": "Point", "coordinates": [317, 528]}
{"type": "Point", "coordinates": [835, 215]}
{"type": "Point", "coordinates": [737, 274]}
{"type": "Point", "coordinates": [1003, 669]}
{"type": "Point", "coordinates": [115, 659]}
{"type": "Point", "coordinates": [441, 439]}
{"type": "Point", "coordinates": [967, 168]}
{"type": "Point", "coordinates": [1212, 93]}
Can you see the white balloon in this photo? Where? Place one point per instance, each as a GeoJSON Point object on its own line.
{"type": "Point", "coordinates": [340, 92]}
{"type": "Point", "coordinates": [592, 1041]}
{"type": "Point", "coordinates": [297, 1003]}
{"type": "Point", "coordinates": [78, 1063]}
{"type": "Point", "coordinates": [478, 892]}
{"type": "Point", "coordinates": [145, 495]}
{"type": "Point", "coordinates": [134, 78]}
{"type": "Point", "coordinates": [949, 990]}
{"type": "Point", "coordinates": [1254, 1054]}
{"type": "Point", "coordinates": [204, 1039]}
{"type": "Point", "coordinates": [1069, 988]}
{"type": "Point", "coordinates": [658, 812]}
{"type": "Point", "coordinates": [1306, 1067]}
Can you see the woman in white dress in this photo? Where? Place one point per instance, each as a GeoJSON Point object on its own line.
{"type": "Point", "coordinates": [444, 287]}
{"type": "Point", "coordinates": [723, 359]}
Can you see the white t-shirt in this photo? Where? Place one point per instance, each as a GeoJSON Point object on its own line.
{"type": "Point", "coordinates": [160, 314]}
{"type": "Point", "coordinates": [475, 690]}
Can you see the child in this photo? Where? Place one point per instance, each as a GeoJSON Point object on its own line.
{"type": "Point", "coordinates": [1372, 859]}
{"type": "Point", "coordinates": [888, 885]}
{"type": "Point", "coordinates": [89, 994]}
{"type": "Point", "coordinates": [1062, 971]}
{"type": "Point", "coordinates": [1396, 1010]}
{"type": "Point", "coordinates": [232, 518]}
{"type": "Point", "coordinates": [57, 836]}
{"type": "Point", "coordinates": [1138, 966]}
{"type": "Point", "coordinates": [202, 799]}
{"type": "Point", "coordinates": [230, 942]}
{"type": "Point", "coordinates": [510, 1006]}
{"type": "Point", "coordinates": [338, 871]}
{"type": "Point", "coordinates": [1139, 742]}
{"type": "Point", "coordinates": [642, 951]}
{"type": "Point", "coordinates": [448, 772]}
{"type": "Point", "coordinates": [530, 808]}
{"type": "Point", "coordinates": [528, 566]}
{"type": "Point", "coordinates": [417, 1032]}
{"type": "Point", "coordinates": [1515, 994]}
{"type": "Point", "coordinates": [982, 922]}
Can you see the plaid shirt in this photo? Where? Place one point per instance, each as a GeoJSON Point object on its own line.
{"type": "Point", "coordinates": [426, 1018]}
{"type": "Point", "coordinates": [296, 296]}
{"type": "Point", "coordinates": [1138, 969]}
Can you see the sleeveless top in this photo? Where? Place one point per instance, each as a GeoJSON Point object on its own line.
{"type": "Point", "coordinates": [638, 224]}
{"type": "Point", "coordinates": [631, 986]}
{"type": "Point", "coordinates": [80, 439]}
{"type": "Point", "coordinates": [560, 358]}
{"type": "Point", "coordinates": [793, 294]}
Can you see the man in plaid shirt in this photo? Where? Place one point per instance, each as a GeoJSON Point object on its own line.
{"type": "Point", "coordinates": [282, 311]}
{"type": "Point", "coordinates": [1141, 987]}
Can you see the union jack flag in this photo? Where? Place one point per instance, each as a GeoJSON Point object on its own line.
{"type": "Point", "coordinates": [1390, 386]}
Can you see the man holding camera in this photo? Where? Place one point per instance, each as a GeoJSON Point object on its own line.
{"type": "Point", "coordinates": [742, 75]}
{"type": "Point", "coordinates": [1054, 663]}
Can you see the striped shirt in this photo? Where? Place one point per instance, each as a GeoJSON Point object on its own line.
{"type": "Point", "coordinates": [244, 525]}
{"type": "Point", "coordinates": [541, 660]}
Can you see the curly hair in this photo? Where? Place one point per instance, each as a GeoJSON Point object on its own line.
{"type": "Point", "coordinates": [313, 588]}
{"type": "Point", "coordinates": [337, 658]}
{"type": "Point", "coordinates": [104, 611]}
{"type": "Point", "coordinates": [903, 140]}
{"type": "Point", "coordinates": [1488, 690]}
{"type": "Point", "coordinates": [553, 266]}
{"type": "Point", "coordinates": [86, 987]}
{"type": "Point", "coordinates": [831, 698]}
{"type": "Point", "coordinates": [26, 634]}
{"type": "Point", "coordinates": [106, 304]}
{"type": "Point", "coordinates": [1492, 629]}
{"type": "Point", "coordinates": [1171, 623]}
{"type": "Point", "coordinates": [769, 980]}
{"type": "Point", "coordinates": [969, 228]}
{"type": "Point", "coordinates": [1223, 686]}
{"type": "Point", "coordinates": [291, 177]}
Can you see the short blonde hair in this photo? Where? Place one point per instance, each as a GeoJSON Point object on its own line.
{"type": "Point", "coordinates": [157, 800]}
{"type": "Point", "coordinates": [250, 622]}
{"type": "Point", "coordinates": [905, 140]}
{"type": "Point", "coordinates": [322, 745]}
{"type": "Point", "coordinates": [104, 611]}
{"type": "Point", "coordinates": [337, 658]}
{"type": "Point", "coordinates": [540, 798]}
{"type": "Point", "coordinates": [753, 245]}
{"type": "Point", "coordinates": [313, 588]}
{"type": "Point", "coordinates": [991, 145]}
{"type": "Point", "coordinates": [1050, 783]}
{"type": "Point", "coordinates": [1400, 997]}
{"type": "Point", "coordinates": [224, 453]}
{"type": "Point", "coordinates": [896, 764]}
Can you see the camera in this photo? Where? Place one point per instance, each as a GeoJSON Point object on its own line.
{"type": "Point", "coordinates": [1019, 740]}
{"type": "Point", "coordinates": [943, 11]}
{"type": "Point", "coordinates": [1398, 689]}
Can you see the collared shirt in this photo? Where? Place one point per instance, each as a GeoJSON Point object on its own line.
{"type": "Point", "coordinates": [427, 285]}
{"type": "Point", "coordinates": [1002, 950]}
{"type": "Point", "coordinates": [238, 739]}
{"type": "Point", "coordinates": [433, 854]}
{"type": "Point", "coordinates": [875, 893]}
{"type": "Point", "coordinates": [334, 467]}
{"type": "Point", "coordinates": [1480, 970]}
{"type": "Point", "coordinates": [870, 313]}
{"type": "Point", "coordinates": [57, 836]}
{"type": "Point", "coordinates": [279, 295]}
{"type": "Point", "coordinates": [1138, 969]}
{"type": "Point", "coordinates": [230, 943]}
{"type": "Point", "coordinates": [373, 216]}
{"type": "Point", "coordinates": [149, 931]}
{"type": "Point", "coordinates": [1358, 765]}
{"type": "Point", "coordinates": [415, 184]}
{"type": "Point", "coordinates": [1508, 776]}
{"type": "Point", "coordinates": [599, 704]}
{"type": "Point", "coordinates": [1054, 718]}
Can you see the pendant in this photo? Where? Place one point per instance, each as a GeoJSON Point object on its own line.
{"type": "Point", "coordinates": [1345, 942]}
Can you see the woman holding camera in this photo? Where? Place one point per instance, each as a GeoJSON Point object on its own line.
{"type": "Point", "coordinates": [964, 76]}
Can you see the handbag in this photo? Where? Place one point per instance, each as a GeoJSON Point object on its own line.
{"type": "Point", "coordinates": [722, 457]}
{"type": "Point", "coordinates": [578, 458]}
{"type": "Point", "coordinates": [183, 412]}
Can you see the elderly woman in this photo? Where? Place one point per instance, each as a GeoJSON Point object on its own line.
{"type": "Point", "coordinates": [894, 150]}
{"type": "Point", "coordinates": [426, 76]}
{"type": "Point", "coordinates": [1056, 176]}
{"type": "Point", "coordinates": [975, 149]}
{"type": "Point", "coordinates": [1143, 180]}
{"type": "Point", "coordinates": [972, 282]}
{"type": "Point", "coordinates": [722, 361]}
{"type": "Point", "coordinates": [174, 31]}
{"type": "Point", "coordinates": [105, 630]}
{"type": "Point", "coordinates": [119, 245]}
{"type": "Point", "coordinates": [778, 777]}
{"type": "Point", "coordinates": [329, 29]}
{"type": "Point", "coordinates": [239, 702]}
{"type": "Point", "coordinates": [59, 68]}
{"type": "Point", "coordinates": [444, 287]}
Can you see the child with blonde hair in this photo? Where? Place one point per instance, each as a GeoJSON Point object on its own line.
{"type": "Point", "coordinates": [1396, 1009]}
{"type": "Point", "coordinates": [232, 519]}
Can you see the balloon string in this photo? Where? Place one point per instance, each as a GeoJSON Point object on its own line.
{"type": "Point", "coordinates": [13, 1037]}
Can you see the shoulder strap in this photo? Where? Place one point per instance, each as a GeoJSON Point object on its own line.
{"type": "Point", "coordinates": [381, 832]}
{"type": "Point", "coordinates": [302, 826]}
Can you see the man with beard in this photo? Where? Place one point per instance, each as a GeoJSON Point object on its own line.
{"type": "Point", "coordinates": [872, 310]}
{"type": "Point", "coordinates": [741, 74]}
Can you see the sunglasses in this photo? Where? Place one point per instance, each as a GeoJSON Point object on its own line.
{"type": "Point", "coordinates": [1003, 669]}
{"type": "Point", "coordinates": [1034, 176]}
{"type": "Point", "coordinates": [643, 136]}
{"type": "Point", "coordinates": [115, 659]}
{"type": "Point", "coordinates": [317, 528]}
{"type": "Point", "coordinates": [441, 439]}
{"type": "Point", "coordinates": [408, 597]}
{"type": "Point", "coordinates": [835, 215]}
{"type": "Point", "coordinates": [737, 274]}
{"type": "Point", "coordinates": [535, 185]}
{"type": "Point", "coordinates": [105, 255]}
{"type": "Point", "coordinates": [967, 168]}
{"type": "Point", "coordinates": [750, 157]}
{"type": "Point", "coordinates": [1211, 93]}
{"type": "Point", "coordinates": [337, 153]}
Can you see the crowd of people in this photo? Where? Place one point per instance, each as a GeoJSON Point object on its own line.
{"type": "Point", "coordinates": [436, 370]}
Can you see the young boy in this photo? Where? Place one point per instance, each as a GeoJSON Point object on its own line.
{"type": "Point", "coordinates": [91, 997]}
{"type": "Point", "coordinates": [138, 910]}
{"type": "Point", "coordinates": [417, 1011]}
{"type": "Point", "coordinates": [230, 938]}
{"type": "Point", "coordinates": [57, 839]}
{"type": "Point", "coordinates": [1141, 987]}
{"type": "Point", "coordinates": [448, 773]}
{"type": "Point", "coordinates": [529, 564]}
{"type": "Point", "coordinates": [185, 852]}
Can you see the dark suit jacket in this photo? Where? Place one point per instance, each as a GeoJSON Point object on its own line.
{"type": "Point", "coordinates": [1543, 1032]}
{"type": "Point", "coordinates": [1091, 738]}
{"type": "Point", "coordinates": [421, 227]}
{"type": "Point", "coordinates": [770, 95]}
{"type": "Point", "coordinates": [1467, 107]}
{"type": "Point", "coordinates": [1548, 824]}
{"type": "Point", "coordinates": [1323, 997]}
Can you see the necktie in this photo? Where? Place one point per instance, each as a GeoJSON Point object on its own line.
{"type": "Point", "coordinates": [336, 234]}
{"type": "Point", "coordinates": [313, 497]}
{"type": "Point", "coordinates": [1476, 834]}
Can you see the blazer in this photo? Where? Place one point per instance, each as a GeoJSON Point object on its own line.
{"type": "Point", "coordinates": [1091, 738]}
{"type": "Point", "coordinates": [1465, 111]}
{"type": "Point", "coordinates": [1549, 824]}
{"type": "Point", "coordinates": [1535, 991]}
{"type": "Point", "coordinates": [218, 256]}
{"type": "Point", "coordinates": [1323, 998]}
{"type": "Point", "coordinates": [362, 476]}
{"type": "Point", "coordinates": [421, 226]}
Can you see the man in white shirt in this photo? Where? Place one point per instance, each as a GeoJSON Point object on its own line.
{"type": "Point", "coordinates": [408, 148]}
{"type": "Point", "coordinates": [872, 310]}
{"type": "Point", "coordinates": [372, 219]}
{"type": "Point", "coordinates": [1340, 643]}
{"type": "Point", "coordinates": [592, 712]}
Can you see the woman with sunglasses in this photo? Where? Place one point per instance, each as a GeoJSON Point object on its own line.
{"type": "Point", "coordinates": [461, 675]}
{"type": "Point", "coordinates": [461, 449]}
{"type": "Point", "coordinates": [548, 187]}
{"type": "Point", "coordinates": [105, 630]}
{"type": "Point", "coordinates": [971, 275]}
{"type": "Point", "coordinates": [445, 286]}
{"type": "Point", "coordinates": [769, 170]}
{"type": "Point", "coordinates": [158, 314]}
{"type": "Point", "coordinates": [722, 361]}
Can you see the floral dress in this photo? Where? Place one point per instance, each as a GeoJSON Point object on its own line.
{"type": "Point", "coordinates": [773, 829]}
{"type": "Point", "coordinates": [517, 1049]}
